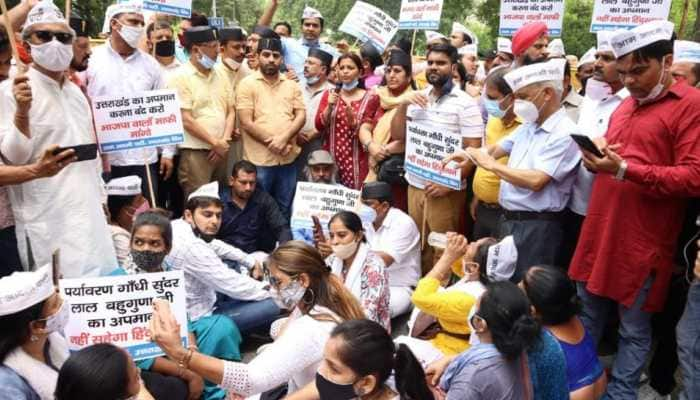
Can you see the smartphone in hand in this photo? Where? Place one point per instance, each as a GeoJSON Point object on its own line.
{"type": "Point", "coordinates": [585, 143]}
{"type": "Point", "coordinates": [83, 152]}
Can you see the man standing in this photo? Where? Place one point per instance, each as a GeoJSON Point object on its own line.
{"type": "Point", "coordinates": [530, 44]}
{"type": "Point", "coordinates": [504, 53]}
{"type": "Point", "coordinates": [686, 62]}
{"type": "Point", "coordinates": [251, 220]}
{"type": "Point", "coordinates": [119, 68]}
{"type": "Point", "coordinates": [536, 182]}
{"type": "Point", "coordinates": [272, 112]}
{"type": "Point", "coordinates": [605, 95]}
{"type": "Point", "coordinates": [43, 108]}
{"type": "Point", "coordinates": [585, 67]}
{"type": "Point", "coordinates": [81, 51]}
{"type": "Point", "coordinates": [316, 70]}
{"type": "Point", "coordinates": [623, 260]}
{"type": "Point", "coordinates": [433, 207]}
{"type": "Point", "coordinates": [208, 114]}
{"type": "Point", "coordinates": [461, 36]}
{"type": "Point", "coordinates": [161, 44]}
{"type": "Point", "coordinates": [233, 42]}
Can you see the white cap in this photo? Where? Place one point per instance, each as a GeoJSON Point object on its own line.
{"type": "Point", "coordinates": [625, 42]}
{"type": "Point", "coordinates": [22, 290]}
{"type": "Point", "coordinates": [588, 57]}
{"type": "Point", "coordinates": [131, 6]}
{"type": "Point", "coordinates": [457, 27]}
{"type": "Point", "coordinates": [604, 40]}
{"type": "Point", "coordinates": [310, 12]}
{"type": "Point", "coordinates": [125, 186]}
{"type": "Point", "coordinates": [556, 48]}
{"type": "Point", "coordinates": [44, 12]}
{"type": "Point", "coordinates": [504, 45]}
{"type": "Point", "coordinates": [468, 49]}
{"type": "Point", "coordinates": [501, 260]}
{"type": "Point", "coordinates": [210, 190]}
{"type": "Point", "coordinates": [686, 51]}
{"type": "Point", "coordinates": [432, 35]}
{"type": "Point", "coordinates": [552, 70]}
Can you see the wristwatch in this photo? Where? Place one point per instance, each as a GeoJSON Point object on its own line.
{"type": "Point", "coordinates": [620, 175]}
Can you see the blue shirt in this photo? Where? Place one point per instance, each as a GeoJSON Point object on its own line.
{"type": "Point", "coordinates": [547, 148]}
{"type": "Point", "coordinates": [14, 387]}
{"type": "Point", "coordinates": [295, 52]}
{"type": "Point", "coordinates": [255, 227]}
{"type": "Point", "coordinates": [547, 365]}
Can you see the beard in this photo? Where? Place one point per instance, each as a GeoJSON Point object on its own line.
{"type": "Point", "coordinates": [269, 69]}
{"type": "Point", "coordinates": [80, 67]}
{"type": "Point", "coordinates": [529, 60]}
{"type": "Point", "coordinates": [438, 80]}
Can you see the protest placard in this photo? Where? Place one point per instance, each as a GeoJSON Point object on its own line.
{"type": "Point", "coordinates": [516, 13]}
{"type": "Point", "coordinates": [216, 22]}
{"type": "Point", "coordinates": [320, 200]}
{"type": "Point", "coordinates": [117, 309]}
{"type": "Point", "coordinates": [369, 24]}
{"type": "Point", "coordinates": [145, 119]}
{"type": "Point", "coordinates": [420, 14]}
{"type": "Point", "coordinates": [610, 15]}
{"type": "Point", "coordinates": [178, 8]}
{"type": "Point", "coordinates": [427, 145]}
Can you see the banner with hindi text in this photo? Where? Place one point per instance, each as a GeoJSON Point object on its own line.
{"type": "Point", "coordinates": [427, 144]}
{"type": "Point", "coordinates": [420, 14]}
{"type": "Point", "coordinates": [178, 8]}
{"type": "Point", "coordinates": [322, 201]}
{"type": "Point", "coordinates": [369, 24]}
{"type": "Point", "coordinates": [516, 13]}
{"type": "Point", "coordinates": [610, 15]}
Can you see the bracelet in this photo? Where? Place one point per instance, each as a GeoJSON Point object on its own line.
{"type": "Point", "coordinates": [185, 360]}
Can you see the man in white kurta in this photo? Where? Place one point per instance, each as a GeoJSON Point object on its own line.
{"type": "Point", "coordinates": [65, 211]}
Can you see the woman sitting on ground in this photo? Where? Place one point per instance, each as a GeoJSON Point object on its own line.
{"type": "Point", "coordinates": [303, 284]}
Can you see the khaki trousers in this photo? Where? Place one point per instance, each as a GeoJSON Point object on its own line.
{"type": "Point", "coordinates": [195, 170]}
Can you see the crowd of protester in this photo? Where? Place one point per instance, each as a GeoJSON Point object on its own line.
{"type": "Point", "coordinates": [570, 238]}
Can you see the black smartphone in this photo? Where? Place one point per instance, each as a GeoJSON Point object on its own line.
{"type": "Point", "coordinates": [84, 152]}
{"type": "Point", "coordinates": [338, 86]}
{"type": "Point", "coordinates": [585, 143]}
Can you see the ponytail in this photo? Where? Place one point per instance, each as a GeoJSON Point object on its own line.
{"type": "Point", "coordinates": [336, 297]}
{"type": "Point", "coordinates": [410, 377]}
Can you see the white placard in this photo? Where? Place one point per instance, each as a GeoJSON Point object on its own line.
{"type": "Point", "coordinates": [147, 119]}
{"type": "Point", "coordinates": [516, 13]}
{"type": "Point", "coordinates": [322, 201]}
{"type": "Point", "coordinates": [117, 309]}
{"type": "Point", "coordinates": [420, 14]}
{"type": "Point", "coordinates": [610, 15]}
{"type": "Point", "coordinates": [178, 8]}
{"type": "Point", "coordinates": [427, 145]}
{"type": "Point", "coordinates": [370, 24]}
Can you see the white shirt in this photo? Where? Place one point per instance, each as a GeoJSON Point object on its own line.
{"type": "Point", "coordinates": [293, 357]}
{"type": "Point", "coordinates": [206, 274]}
{"type": "Point", "coordinates": [312, 99]}
{"type": "Point", "coordinates": [64, 211]}
{"type": "Point", "coordinates": [593, 122]}
{"type": "Point", "coordinates": [456, 111]}
{"type": "Point", "coordinates": [109, 74]}
{"type": "Point", "coordinates": [398, 236]}
{"type": "Point", "coordinates": [169, 69]}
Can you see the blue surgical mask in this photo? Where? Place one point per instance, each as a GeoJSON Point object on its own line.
{"type": "Point", "coordinates": [351, 85]}
{"type": "Point", "coordinates": [206, 62]}
{"type": "Point", "coordinates": [493, 109]}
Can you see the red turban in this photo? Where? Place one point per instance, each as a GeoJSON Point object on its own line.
{"type": "Point", "coordinates": [526, 36]}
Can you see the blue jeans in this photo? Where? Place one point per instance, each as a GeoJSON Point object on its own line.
{"type": "Point", "coordinates": [280, 182]}
{"type": "Point", "coordinates": [249, 316]}
{"type": "Point", "coordinates": [688, 335]}
{"type": "Point", "coordinates": [634, 338]}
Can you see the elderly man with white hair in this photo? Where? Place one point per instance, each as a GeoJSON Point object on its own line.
{"type": "Point", "coordinates": [40, 109]}
{"type": "Point", "coordinates": [536, 182]}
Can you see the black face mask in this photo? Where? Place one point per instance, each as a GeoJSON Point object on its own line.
{"type": "Point", "coordinates": [328, 390]}
{"type": "Point", "coordinates": [148, 260]}
{"type": "Point", "coordinates": [165, 48]}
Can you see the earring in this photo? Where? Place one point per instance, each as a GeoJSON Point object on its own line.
{"type": "Point", "coordinates": [313, 297]}
{"type": "Point", "coordinates": [33, 338]}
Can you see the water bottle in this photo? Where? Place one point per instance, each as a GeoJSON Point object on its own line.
{"type": "Point", "coordinates": [437, 240]}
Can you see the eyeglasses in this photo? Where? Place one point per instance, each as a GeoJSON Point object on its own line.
{"type": "Point", "coordinates": [274, 282]}
{"type": "Point", "coordinates": [47, 36]}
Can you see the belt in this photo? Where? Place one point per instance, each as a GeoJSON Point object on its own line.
{"type": "Point", "coordinates": [490, 206]}
{"type": "Point", "coordinates": [532, 215]}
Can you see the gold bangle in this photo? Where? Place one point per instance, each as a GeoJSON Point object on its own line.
{"type": "Point", "coordinates": [185, 360]}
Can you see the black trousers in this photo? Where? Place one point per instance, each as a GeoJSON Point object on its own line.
{"type": "Point", "coordinates": [170, 194]}
{"type": "Point", "coordinates": [140, 171]}
{"type": "Point", "coordinates": [571, 229]}
{"type": "Point", "coordinates": [537, 241]}
{"type": "Point", "coordinates": [487, 221]}
{"type": "Point", "coordinates": [9, 255]}
{"type": "Point", "coordinates": [165, 387]}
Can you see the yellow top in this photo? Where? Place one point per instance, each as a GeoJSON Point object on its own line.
{"type": "Point", "coordinates": [450, 308]}
{"type": "Point", "coordinates": [208, 97]}
{"type": "Point", "coordinates": [487, 184]}
{"type": "Point", "coordinates": [421, 80]}
{"type": "Point", "coordinates": [237, 76]}
{"type": "Point", "coordinates": [273, 108]}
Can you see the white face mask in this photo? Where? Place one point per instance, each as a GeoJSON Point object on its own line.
{"type": "Point", "coordinates": [597, 90]}
{"type": "Point", "coordinates": [345, 251]}
{"type": "Point", "coordinates": [526, 109]}
{"type": "Point", "coordinates": [658, 89]}
{"type": "Point", "coordinates": [58, 321]}
{"type": "Point", "coordinates": [131, 34]}
{"type": "Point", "coordinates": [231, 63]}
{"type": "Point", "coordinates": [289, 296]}
{"type": "Point", "coordinates": [54, 55]}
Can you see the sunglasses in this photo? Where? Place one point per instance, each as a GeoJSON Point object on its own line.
{"type": "Point", "coordinates": [47, 36]}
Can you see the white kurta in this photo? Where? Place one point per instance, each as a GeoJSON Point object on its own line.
{"type": "Point", "coordinates": [65, 211]}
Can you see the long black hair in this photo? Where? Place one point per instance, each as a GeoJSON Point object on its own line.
{"type": "Point", "coordinates": [481, 258]}
{"type": "Point", "coordinates": [351, 221]}
{"type": "Point", "coordinates": [15, 328]}
{"type": "Point", "coordinates": [100, 371]}
{"type": "Point", "coordinates": [368, 349]}
{"type": "Point", "coordinates": [552, 294]}
{"type": "Point", "coordinates": [506, 311]}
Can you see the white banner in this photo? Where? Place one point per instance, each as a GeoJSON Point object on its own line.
{"type": "Point", "coordinates": [148, 119]}
{"type": "Point", "coordinates": [369, 24]}
{"type": "Point", "coordinates": [610, 15]}
{"type": "Point", "coordinates": [427, 145]}
{"type": "Point", "coordinates": [322, 201]}
{"type": "Point", "coordinates": [178, 8]}
{"type": "Point", "coordinates": [420, 14]}
{"type": "Point", "coordinates": [117, 309]}
{"type": "Point", "coordinates": [516, 13]}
